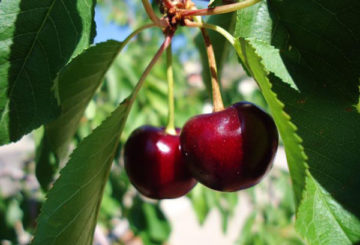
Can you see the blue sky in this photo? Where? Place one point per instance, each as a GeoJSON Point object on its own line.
{"type": "Point", "coordinates": [107, 29]}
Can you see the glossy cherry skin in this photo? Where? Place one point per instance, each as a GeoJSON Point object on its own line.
{"type": "Point", "coordinates": [155, 165]}
{"type": "Point", "coordinates": [231, 149]}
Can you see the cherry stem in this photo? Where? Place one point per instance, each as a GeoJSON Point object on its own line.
{"type": "Point", "coordinates": [170, 128]}
{"type": "Point", "coordinates": [220, 9]}
{"type": "Point", "coordinates": [215, 86]}
{"type": "Point", "coordinates": [150, 12]}
{"type": "Point", "coordinates": [137, 31]}
{"type": "Point", "coordinates": [146, 72]}
{"type": "Point", "coordinates": [216, 28]}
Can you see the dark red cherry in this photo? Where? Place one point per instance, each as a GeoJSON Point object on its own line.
{"type": "Point", "coordinates": [155, 165]}
{"type": "Point", "coordinates": [231, 149]}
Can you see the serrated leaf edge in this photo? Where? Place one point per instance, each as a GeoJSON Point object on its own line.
{"type": "Point", "coordinates": [54, 189]}
{"type": "Point", "coordinates": [281, 105]}
{"type": "Point", "coordinates": [322, 194]}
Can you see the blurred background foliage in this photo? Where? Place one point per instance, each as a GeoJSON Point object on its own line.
{"type": "Point", "coordinates": [125, 216]}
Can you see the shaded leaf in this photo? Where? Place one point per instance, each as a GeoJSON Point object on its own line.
{"type": "Point", "coordinates": [323, 60]}
{"type": "Point", "coordinates": [148, 221]}
{"type": "Point", "coordinates": [46, 163]}
{"type": "Point", "coordinates": [75, 86]}
{"type": "Point", "coordinates": [294, 150]}
{"type": "Point", "coordinates": [214, 3]}
{"type": "Point", "coordinates": [319, 45]}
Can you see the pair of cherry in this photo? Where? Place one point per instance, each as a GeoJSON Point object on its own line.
{"type": "Point", "coordinates": [228, 150]}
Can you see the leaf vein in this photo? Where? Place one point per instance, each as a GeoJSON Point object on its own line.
{"type": "Point", "coordinates": [321, 195]}
{"type": "Point", "coordinates": [57, 35]}
{"type": "Point", "coordinates": [24, 11]}
{"type": "Point", "coordinates": [69, 15]}
{"type": "Point", "coordinates": [32, 46]}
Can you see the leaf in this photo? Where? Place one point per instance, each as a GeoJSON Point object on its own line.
{"type": "Point", "coordinates": [204, 200]}
{"type": "Point", "coordinates": [220, 46]}
{"type": "Point", "coordinates": [76, 85]}
{"type": "Point", "coordinates": [226, 203]}
{"type": "Point", "coordinates": [246, 231]}
{"type": "Point", "coordinates": [37, 38]}
{"type": "Point", "coordinates": [272, 61]}
{"type": "Point", "coordinates": [46, 163]}
{"type": "Point", "coordinates": [148, 221]}
{"type": "Point", "coordinates": [319, 45]}
{"type": "Point", "coordinates": [69, 215]}
{"type": "Point", "coordinates": [199, 203]}
{"type": "Point", "coordinates": [326, 66]}
{"type": "Point", "coordinates": [319, 213]}
{"type": "Point", "coordinates": [255, 24]}
{"type": "Point", "coordinates": [214, 3]}
{"type": "Point", "coordinates": [294, 149]}
{"type": "Point", "coordinates": [158, 227]}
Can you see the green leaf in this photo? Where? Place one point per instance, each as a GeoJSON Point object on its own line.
{"type": "Point", "coordinates": [69, 215]}
{"type": "Point", "coordinates": [319, 213]}
{"type": "Point", "coordinates": [199, 202]}
{"type": "Point", "coordinates": [319, 45]}
{"type": "Point", "coordinates": [272, 61]}
{"type": "Point", "coordinates": [204, 200]}
{"type": "Point", "coordinates": [220, 46]}
{"type": "Point", "coordinates": [246, 232]}
{"type": "Point", "coordinates": [148, 221]}
{"type": "Point", "coordinates": [159, 228]}
{"type": "Point", "coordinates": [255, 24]}
{"type": "Point", "coordinates": [214, 3]}
{"type": "Point", "coordinates": [37, 38]}
{"type": "Point", "coordinates": [294, 150]}
{"type": "Point", "coordinates": [323, 60]}
{"type": "Point", "coordinates": [271, 223]}
{"type": "Point", "coordinates": [75, 85]}
{"type": "Point", "coordinates": [46, 163]}
{"type": "Point", "coordinates": [226, 205]}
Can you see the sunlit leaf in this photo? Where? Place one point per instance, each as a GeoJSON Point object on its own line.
{"type": "Point", "coordinates": [70, 213]}
{"type": "Point", "coordinates": [37, 38]}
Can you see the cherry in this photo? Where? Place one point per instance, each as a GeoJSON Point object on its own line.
{"type": "Point", "coordinates": [232, 149]}
{"type": "Point", "coordinates": [155, 165]}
